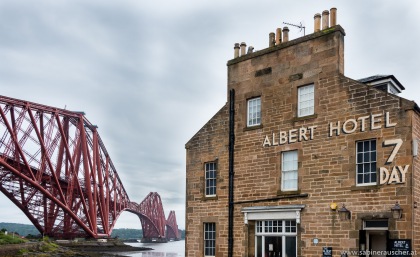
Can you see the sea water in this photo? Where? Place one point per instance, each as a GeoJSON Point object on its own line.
{"type": "Point", "coordinates": [170, 249]}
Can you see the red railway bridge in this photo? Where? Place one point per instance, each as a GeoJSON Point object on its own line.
{"type": "Point", "coordinates": [56, 169]}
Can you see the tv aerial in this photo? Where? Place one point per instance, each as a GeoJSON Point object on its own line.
{"type": "Point", "coordinates": [300, 26]}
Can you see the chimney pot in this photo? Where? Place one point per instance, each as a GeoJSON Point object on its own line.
{"type": "Point", "coordinates": [271, 40]}
{"type": "Point", "coordinates": [317, 22]}
{"type": "Point", "coordinates": [278, 36]}
{"type": "Point", "coordinates": [236, 50]}
{"type": "Point", "coordinates": [285, 34]}
{"type": "Point", "coordinates": [333, 17]}
{"type": "Point", "coordinates": [325, 19]}
{"type": "Point", "coordinates": [243, 48]}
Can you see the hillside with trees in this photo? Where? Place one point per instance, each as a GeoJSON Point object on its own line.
{"type": "Point", "coordinates": [21, 229]}
{"type": "Point", "coordinates": [121, 233]}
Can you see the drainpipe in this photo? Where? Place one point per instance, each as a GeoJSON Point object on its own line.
{"type": "Point", "coordinates": [231, 172]}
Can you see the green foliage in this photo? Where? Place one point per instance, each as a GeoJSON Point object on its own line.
{"type": "Point", "coordinates": [10, 239]}
{"type": "Point", "coordinates": [22, 229]}
{"type": "Point", "coordinates": [325, 31]}
{"type": "Point", "coordinates": [22, 251]}
{"type": "Point", "coordinates": [37, 237]}
{"type": "Point", "coordinates": [48, 247]}
{"type": "Point", "coordinates": [127, 233]}
{"type": "Point", "coordinates": [31, 232]}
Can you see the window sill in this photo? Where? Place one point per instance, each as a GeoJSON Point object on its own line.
{"type": "Point", "coordinates": [253, 127]}
{"type": "Point", "coordinates": [362, 187]}
{"type": "Point", "coordinates": [209, 198]}
{"type": "Point", "coordinates": [313, 116]}
{"type": "Point", "coordinates": [286, 193]}
{"type": "Point", "coordinates": [292, 195]}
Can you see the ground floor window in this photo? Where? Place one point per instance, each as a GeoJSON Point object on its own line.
{"type": "Point", "coordinates": [209, 239]}
{"type": "Point", "coordinates": [275, 238]}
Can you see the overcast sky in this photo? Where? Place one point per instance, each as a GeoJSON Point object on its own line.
{"type": "Point", "coordinates": [150, 74]}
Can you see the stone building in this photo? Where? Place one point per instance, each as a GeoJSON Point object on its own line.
{"type": "Point", "coordinates": [302, 160]}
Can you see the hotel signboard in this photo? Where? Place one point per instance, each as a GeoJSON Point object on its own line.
{"type": "Point", "coordinates": [388, 175]}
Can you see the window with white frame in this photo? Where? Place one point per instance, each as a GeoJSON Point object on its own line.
{"type": "Point", "coordinates": [289, 171]}
{"type": "Point", "coordinates": [275, 238]}
{"type": "Point", "coordinates": [392, 90]}
{"type": "Point", "coordinates": [211, 177]}
{"type": "Point", "coordinates": [366, 162]}
{"type": "Point", "coordinates": [306, 101]}
{"type": "Point", "coordinates": [254, 112]}
{"type": "Point", "coordinates": [209, 239]}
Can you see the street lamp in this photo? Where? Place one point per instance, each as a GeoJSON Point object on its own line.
{"type": "Point", "coordinates": [396, 211]}
{"type": "Point", "coordinates": [344, 213]}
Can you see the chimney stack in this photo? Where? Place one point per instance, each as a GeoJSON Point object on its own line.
{"type": "Point", "coordinates": [325, 19]}
{"type": "Point", "coordinates": [317, 22]}
{"type": "Point", "coordinates": [333, 17]}
{"type": "Point", "coordinates": [285, 34]}
{"type": "Point", "coordinates": [321, 22]}
{"type": "Point", "coordinates": [236, 50]}
{"type": "Point", "coordinates": [243, 48]}
{"type": "Point", "coordinates": [271, 40]}
{"type": "Point", "coordinates": [278, 36]}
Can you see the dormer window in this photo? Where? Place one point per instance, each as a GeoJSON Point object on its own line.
{"type": "Point", "coordinates": [387, 83]}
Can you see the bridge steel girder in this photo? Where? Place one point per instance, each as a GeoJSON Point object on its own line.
{"type": "Point", "coordinates": [153, 222]}
{"type": "Point", "coordinates": [172, 231]}
{"type": "Point", "coordinates": [56, 169]}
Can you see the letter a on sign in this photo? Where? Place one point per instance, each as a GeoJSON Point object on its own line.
{"type": "Point", "coordinates": [266, 141]}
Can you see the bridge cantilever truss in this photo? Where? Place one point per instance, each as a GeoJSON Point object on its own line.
{"type": "Point", "coordinates": [153, 224]}
{"type": "Point", "coordinates": [56, 169]}
{"type": "Point", "coordinates": [172, 231]}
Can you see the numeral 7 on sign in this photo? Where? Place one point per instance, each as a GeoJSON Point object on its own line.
{"type": "Point", "coordinates": [397, 143]}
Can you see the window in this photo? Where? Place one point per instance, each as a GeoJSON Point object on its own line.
{"type": "Point", "coordinates": [289, 171]}
{"type": "Point", "coordinates": [392, 90]}
{"type": "Point", "coordinates": [366, 162]}
{"type": "Point", "coordinates": [210, 178]}
{"type": "Point", "coordinates": [375, 224]}
{"type": "Point", "coordinates": [275, 238]}
{"type": "Point", "coordinates": [306, 100]}
{"type": "Point", "coordinates": [209, 239]}
{"type": "Point", "coordinates": [254, 112]}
